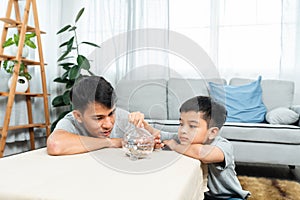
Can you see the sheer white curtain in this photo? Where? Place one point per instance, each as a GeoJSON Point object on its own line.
{"type": "Point", "coordinates": [244, 38]}
{"type": "Point", "coordinates": [115, 25]}
{"type": "Point", "coordinates": [290, 44]}
{"type": "Point", "coordinates": [241, 37]}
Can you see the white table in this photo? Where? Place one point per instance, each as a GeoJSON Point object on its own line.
{"type": "Point", "coordinates": [104, 174]}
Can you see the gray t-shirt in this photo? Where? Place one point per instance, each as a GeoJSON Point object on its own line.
{"type": "Point", "coordinates": [121, 126]}
{"type": "Point", "coordinates": [222, 178]}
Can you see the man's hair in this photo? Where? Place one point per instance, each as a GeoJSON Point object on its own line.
{"type": "Point", "coordinates": [213, 112]}
{"type": "Point", "coordinates": [89, 89]}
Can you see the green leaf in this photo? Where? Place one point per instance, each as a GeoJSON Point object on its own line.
{"type": "Point", "coordinates": [62, 57]}
{"type": "Point", "coordinates": [66, 68]}
{"type": "Point", "coordinates": [29, 35]}
{"type": "Point", "coordinates": [16, 39]}
{"type": "Point", "coordinates": [27, 75]}
{"type": "Point", "coordinates": [73, 28]}
{"type": "Point", "coordinates": [8, 66]}
{"type": "Point", "coordinates": [63, 114]}
{"type": "Point", "coordinates": [60, 80]}
{"type": "Point", "coordinates": [74, 72]}
{"type": "Point", "coordinates": [92, 44]}
{"type": "Point", "coordinates": [63, 29]}
{"type": "Point", "coordinates": [79, 14]}
{"type": "Point", "coordinates": [66, 97]}
{"type": "Point", "coordinates": [8, 42]}
{"type": "Point", "coordinates": [30, 44]}
{"type": "Point", "coordinates": [58, 101]}
{"type": "Point", "coordinates": [70, 84]}
{"type": "Point", "coordinates": [63, 44]}
{"type": "Point", "coordinates": [53, 125]}
{"type": "Point", "coordinates": [70, 44]}
{"type": "Point", "coordinates": [65, 75]}
{"type": "Point", "coordinates": [83, 62]}
{"type": "Point", "coordinates": [65, 64]}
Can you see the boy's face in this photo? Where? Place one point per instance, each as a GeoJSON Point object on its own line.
{"type": "Point", "coordinates": [193, 128]}
{"type": "Point", "coordinates": [97, 119]}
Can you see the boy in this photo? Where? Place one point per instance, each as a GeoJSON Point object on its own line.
{"type": "Point", "coordinates": [201, 119]}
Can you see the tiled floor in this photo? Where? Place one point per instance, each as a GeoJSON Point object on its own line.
{"type": "Point", "coordinates": [269, 171]}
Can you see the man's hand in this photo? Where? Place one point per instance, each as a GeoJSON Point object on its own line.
{"type": "Point", "coordinates": [115, 142]}
{"type": "Point", "coordinates": [137, 118]}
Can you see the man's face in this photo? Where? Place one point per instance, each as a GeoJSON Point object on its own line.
{"type": "Point", "coordinates": [98, 119]}
{"type": "Point", "coordinates": [193, 128]}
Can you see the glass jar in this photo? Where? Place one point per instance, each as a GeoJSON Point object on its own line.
{"type": "Point", "coordinates": [138, 143]}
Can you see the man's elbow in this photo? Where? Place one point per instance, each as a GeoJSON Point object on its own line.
{"type": "Point", "coordinates": [53, 147]}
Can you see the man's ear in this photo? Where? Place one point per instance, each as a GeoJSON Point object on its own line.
{"type": "Point", "coordinates": [78, 116]}
{"type": "Point", "coordinates": [213, 132]}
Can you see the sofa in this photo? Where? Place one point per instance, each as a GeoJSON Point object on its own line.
{"type": "Point", "coordinates": [275, 140]}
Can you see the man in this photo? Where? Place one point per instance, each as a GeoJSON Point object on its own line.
{"type": "Point", "coordinates": [95, 122]}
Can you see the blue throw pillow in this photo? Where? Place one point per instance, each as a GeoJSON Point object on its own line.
{"type": "Point", "coordinates": [243, 103]}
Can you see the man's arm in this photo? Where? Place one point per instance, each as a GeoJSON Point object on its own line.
{"type": "Point", "coordinates": [61, 142]}
{"type": "Point", "coordinates": [204, 153]}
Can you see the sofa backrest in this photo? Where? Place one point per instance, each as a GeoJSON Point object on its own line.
{"type": "Point", "coordinates": [275, 93]}
{"type": "Point", "coordinates": [160, 99]}
{"type": "Point", "coordinates": [179, 90]}
{"type": "Point", "coordinates": [146, 96]}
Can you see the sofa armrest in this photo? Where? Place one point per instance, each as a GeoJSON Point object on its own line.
{"type": "Point", "coordinates": [296, 108]}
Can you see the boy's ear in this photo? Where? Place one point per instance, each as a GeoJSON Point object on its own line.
{"type": "Point", "coordinates": [213, 132]}
{"type": "Point", "coordinates": [78, 116]}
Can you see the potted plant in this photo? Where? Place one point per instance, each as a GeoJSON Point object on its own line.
{"type": "Point", "coordinates": [73, 63]}
{"type": "Point", "coordinates": [14, 43]}
{"type": "Point", "coordinates": [8, 65]}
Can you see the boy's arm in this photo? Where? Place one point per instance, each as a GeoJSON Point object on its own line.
{"type": "Point", "coordinates": [204, 153]}
{"type": "Point", "coordinates": [61, 142]}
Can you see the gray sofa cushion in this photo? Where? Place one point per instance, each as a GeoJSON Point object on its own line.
{"type": "Point", "coordinates": [146, 96]}
{"type": "Point", "coordinates": [170, 126]}
{"type": "Point", "coordinates": [276, 93]}
{"type": "Point", "coordinates": [282, 115]}
{"type": "Point", "coordinates": [179, 90]}
{"type": "Point", "coordinates": [261, 132]}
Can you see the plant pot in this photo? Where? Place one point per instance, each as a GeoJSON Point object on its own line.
{"type": "Point", "coordinates": [22, 84]}
{"type": "Point", "coordinates": [14, 50]}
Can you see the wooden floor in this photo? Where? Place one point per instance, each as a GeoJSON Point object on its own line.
{"type": "Point", "coordinates": [268, 171]}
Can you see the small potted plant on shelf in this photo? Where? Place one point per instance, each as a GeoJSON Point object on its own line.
{"type": "Point", "coordinates": [23, 78]}
{"type": "Point", "coordinates": [14, 43]}
{"type": "Point", "coordinates": [8, 65]}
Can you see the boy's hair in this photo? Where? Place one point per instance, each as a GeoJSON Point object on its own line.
{"type": "Point", "coordinates": [213, 112]}
{"type": "Point", "coordinates": [89, 89]}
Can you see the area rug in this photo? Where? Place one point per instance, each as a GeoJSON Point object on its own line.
{"type": "Point", "coordinates": [273, 189]}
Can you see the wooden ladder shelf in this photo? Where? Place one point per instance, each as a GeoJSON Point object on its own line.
{"type": "Point", "coordinates": [21, 25]}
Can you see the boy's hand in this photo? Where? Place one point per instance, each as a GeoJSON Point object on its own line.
{"type": "Point", "coordinates": [157, 142]}
{"type": "Point", "coordinates": [170, 143]}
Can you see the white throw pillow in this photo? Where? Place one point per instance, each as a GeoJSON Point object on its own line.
{"type": "Point", "coordinates": [282, 115]}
